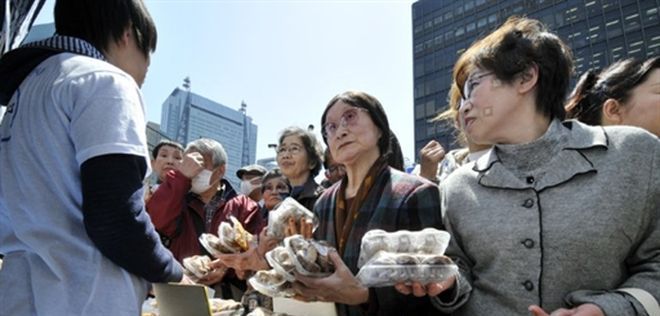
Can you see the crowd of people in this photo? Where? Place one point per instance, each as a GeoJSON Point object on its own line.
{"type": "Point", "coordinates": [553, 203]}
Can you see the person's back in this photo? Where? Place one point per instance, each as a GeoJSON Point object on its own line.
{"type": "Point", "coordinates": [72, 227]}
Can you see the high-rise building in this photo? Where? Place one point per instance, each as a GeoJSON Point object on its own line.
{"type": "Point", "coordinates": [187, 116]}
{"type": "Point", "coordinates": [39, 32]}
{"type": "Point", "coordinates": [598, 31]}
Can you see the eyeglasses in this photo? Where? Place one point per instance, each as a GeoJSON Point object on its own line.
{"type": "Point", "coordinates": [349, 118]}
{"type": "Point", "coordinates": [293, 150]}
{"type": "Point", "coordinates": [471, 83]}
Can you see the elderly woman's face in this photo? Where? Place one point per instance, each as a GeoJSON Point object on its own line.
{"type": "Point", "coordinates": [351, 133]}
{"type": "Point", "coordinates": [485, 113]}
{"type": "Point", "coordinates": [292, 158]}
{"type": "Point", "coordinates": [272, 189]}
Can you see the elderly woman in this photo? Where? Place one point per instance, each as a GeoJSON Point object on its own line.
{"type": "Point", "coordinates": [275, 188]}
{"type": "Point", "coordinates": [625, 93]}
{"type": "Point", "coordinates": [559, 217]}
{"type": "Point", "coordinates": [373, 195]}
{"type": "Point", "coordinates": [299, 158]}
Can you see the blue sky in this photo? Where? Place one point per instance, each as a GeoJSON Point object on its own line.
{"type": "Point", "coordinates": [285, 59]}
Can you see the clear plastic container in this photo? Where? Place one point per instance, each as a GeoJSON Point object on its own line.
{"type": "Point", "coordinates": [388, 269]}
{"type": "Point", "coordinates": [278, 219]}
{"type": "Point", "coordinates": [426, 241]}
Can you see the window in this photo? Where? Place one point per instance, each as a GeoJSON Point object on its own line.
{"type": "Point", "coordinates": [593, 7]}
{"type": "Point", "coordinates": [653, 48]}
{"type": "Point", "coordinates": [419, 111]}
{"type": "Point", "coordinates": [651, 15]}
{"type": "Point", "coordinates": [459, 10]}
{"type": "Point", "coordinates": [482, 22]}
{"type": "Point", "coordinates": [616, 53]}
{"type": "Point", "coordinates": [608, 5]}
{"type": "Point", "coordinates": [469, 5]}
{"type": "Point", "coordinates": [430, 108]}
{"type": "Point", "coordinates": [471, 27]}
{"type": "Point", "coordinates": [571, 15]}
{"type": "Point", "coordinates": [559, 18]}
{"type": "Point", "coordinates": [492, 18]}
{"type": "Point", "coordinates": [596, 34]}
{"type": "Point", "coordinates": [449, 35]}
{"type": "Point", "coordinates": [613, 28]}
{"type": "Point", "coordinates": [459, 31]}
{"type": "Point", "coordinates": [631, 20]}
{"type": "Point", "coordinates": [437, 20]}
{"type": "Point", "coordinates": [419, 69]}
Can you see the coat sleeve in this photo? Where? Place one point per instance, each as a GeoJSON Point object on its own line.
{"type": "Point", "coordinates": [454, 298]}
{"type": "Point", "coordinates": [643, 263]}
{"type": "Point", "coordinates": [166, 204]}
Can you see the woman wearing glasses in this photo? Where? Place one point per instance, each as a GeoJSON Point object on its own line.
{"type": "Point", "coordinates": [299, 158]}
{"type": "Point", "coordinates": [559, 217]}
{"type": "Point", "coordinates": [372, 195]}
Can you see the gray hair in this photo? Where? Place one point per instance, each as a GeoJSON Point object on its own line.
{"type": "Point", "coordinates": [209, 147]}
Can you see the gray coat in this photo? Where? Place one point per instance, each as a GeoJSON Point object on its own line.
{"type": "Point", "coordinates": [559, 222]}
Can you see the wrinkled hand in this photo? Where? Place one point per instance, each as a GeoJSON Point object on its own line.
{"type": "Point", "coordinates": [251, 260]}
{"type": "Point", "coordinates": [191, 165]}
{"type": "Point", "coordinates": [340, 287]}
{"type": "Point", "coordinates": [306, 227]}
{"type": "Point", "coordinates": [431, 289]}
{"type": "Point", "coordinates": [216, 275]}
{"type": "Point", "coordinates": [431, 155]}
{"type": "Point", "coordinates": [582, 310]}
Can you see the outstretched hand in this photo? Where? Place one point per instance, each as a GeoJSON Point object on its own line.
{"type": "Point", "coordinates": [251, 260]}
{"type": "Point", "coordinates": [582, 310]}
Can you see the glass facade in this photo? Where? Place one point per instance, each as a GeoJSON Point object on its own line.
{"type": "Point", "coordinates": [208, 119]}
{"type": "Point", "coordinates": [599, 32]}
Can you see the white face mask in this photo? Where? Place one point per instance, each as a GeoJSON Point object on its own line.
{"type": "Point", "coordinates": [201, 182]}
{"type": "Point", "coordinates": [247, 186]}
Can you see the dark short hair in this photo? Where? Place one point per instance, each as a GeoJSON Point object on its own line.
{"type": "Point", "coordinates": [365, 101]}
{"type": "Point", "coordinates": [165, 142]}
{"type": "Point", "coordinates": [614, 82]}
{"type": "Point", "coordinates": [515, 47]}
{"type": "Point", "coordinates": [312, 146]}
{"type": "Point", "coordinates": [101, 21]}
{"type": "Point", "coordinates": [275, 173]}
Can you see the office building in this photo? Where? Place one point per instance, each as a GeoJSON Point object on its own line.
{"type": "Point", "coordinates": [39, 32]}
{"type": "Point", "coordinates": [598, 31]}
{"type": "Point", "coordinates": [187, 116]}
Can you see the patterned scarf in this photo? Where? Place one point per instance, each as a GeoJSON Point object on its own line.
{"type": "Point", "coordinates": [344, 218]}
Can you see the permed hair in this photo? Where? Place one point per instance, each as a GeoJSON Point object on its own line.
{"type": "Point", "coordinates": [515, 47]}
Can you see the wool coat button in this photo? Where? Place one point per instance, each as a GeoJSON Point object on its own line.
{"type": "Point", "coordinates": [529, 286]}
{"type": "Point", "coordinates": [528, 243]}
{"type": "Point", "coordinates": [528, 203]}
{"type": "Point", "coordinates": [530, 179]}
